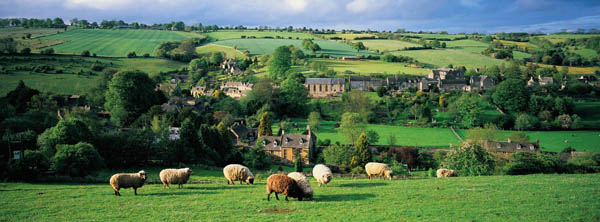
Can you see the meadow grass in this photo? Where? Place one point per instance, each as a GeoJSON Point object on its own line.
{"type": "Point", "coordinates": [35, 43]}
{"type": "Point", "coordinates": [371, 66]}
{"type": "Point", "coordinates": [588, 111]}
{"type": "Point", "coordinates": [386, 45]}
{"type": "Point", "coordinates": [434, 36]}
{"type": "Point", "coordinates": [237, 34]}
{"type": "Point", "coordinates": [521, 45]}
{"type": "Point", "coordinates": [456, 57]}
{"type": "Point", "coordinates": [584, 52]}
{"type": "Point", "coordinates": [230, 52]}
{"type": "Point", "coordinates": [573, 70]}
{"type": "Point", "coordinates": [348, 36]}
{"type": "Point", "coordinates": [267, 46]}
{"type": "Point", "coordinates": [540, 197]}
{"type": "Point", "coordinates": [463, 43]}
{"type": "Point", "coordinates": [114, 42]}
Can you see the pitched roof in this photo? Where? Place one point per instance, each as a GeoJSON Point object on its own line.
{"type": "Point", "coordinates": [512, 146]}
{"type": "Point", "coordinates": [326, 81]}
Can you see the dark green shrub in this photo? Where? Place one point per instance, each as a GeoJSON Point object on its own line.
{"type": "Point", "coordinates": [26, 51]}
{"type": "Point", "coordinates": [97, 67]}
{"type": "Point", "coordinates": [85, 53]}
{"type": "Point", "coordinates": [357, 170]}
{"type": "Point", "coordinates": [131, 55]}
{"type": "Point", "coordinates": [77, 160]}
{"type": "Point", "coordinates": [146, 55]}
{"type": "Point", "coordinates": [431, 172]}
{"type": "Point", "coordinates": [531, 163]}
{"type": "Point", "coordinates": [256, 158]}
{"type": "Point", "coordinates": [586, 163]}
{"type": "Point", "coordinates": [48, 51]}
{"type": "Point", "coordinates": [33, 164]}
{"type": "Point", "coordinates": [470, 160]}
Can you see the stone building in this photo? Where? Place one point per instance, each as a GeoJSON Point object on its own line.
{"type": "Point", "coordinates": [324, 87]}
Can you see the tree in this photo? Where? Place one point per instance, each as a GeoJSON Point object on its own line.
{"type": "Point", "coordinates": [525, 121]}
{"type": "Point", "coordinates": [358, 46]}
{"type": "Point", "coordinates": [197, 64]}
{"type": "Point", "coordinates": [363, 152]}
{"type": "Point", "coordinates": [293, 98]}
{"type": "Point", "coordinates": [280, 62]}
{"type": "Point", "coordinates": [130, 94]}
{"type": "Point", "coordinates": [357, 102]}
{"type": "Point", "coordinates": [468, 109]}
{"type": "Point", "coordinates": [78, 160]}
{"type": "Point", "coordinates": [69, 131]}
{"type": "Point", "coordinates": [298, 162]}
{"type": "Point", "coordinates": [314, 120]}
{"type": "Point", "coordinates": [8, 46]}
{"type": "Point", "coordinates": [372, 136]}
{"type": "Point", "coordinates": [391, 140]}
{"type": "Point", "coordinates": [264, 127]}
{"type": "Point", "coordinates": [511, 95]}
{"type": "Point", "coordinates": [518, 137]}
{"type": "Point", "coordinates": [21, 96]}
{"type": "Point", "coordinates": [216, 58]}
{"type": "Point", "coordinates": [352, 125]}
{"type": "Point", "coordinates": [487, 132]}
{"type": "Point", "coordinates": [256, 158]}
{"type": "Point", "coordinates": [470, 160]}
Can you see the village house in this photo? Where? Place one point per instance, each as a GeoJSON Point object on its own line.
{"type": "Point", "coordinates": [286, 146]}
{"type": "Point", "coordinates": [509, 147]}
{"type": "Point", "coordinates": [198, 91]}
{"type": "Point", "coordinates": [324, 87]}
{"type": "Point", "coordinates": [365, 83]}
{"type": "Point", "coordinates": [236, 90]}
{"type": "Point", "coordinates": [480, 83]}
{"type": "Point", "coordinates": [542, 81]}
{"type": "Point", "coordinates": [243, 136]}
{"type": "Point", "coordinates": [231, 67]}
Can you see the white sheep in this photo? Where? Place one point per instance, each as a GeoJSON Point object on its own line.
{"type": "Point", "coordinates": [127, 180]}
{"type": "Point", "coordinates": [322, 174]}
{"type": "Point", "coordinates": [303, 183]}
{"type": "Point", "coordinates": [175, 176]}
{"type": "Point", "coordinates": [378, 169]}
{"type": "Point", "coordinates": [446, 173]}
{"type": "Point", "coordinates": [239, 172]}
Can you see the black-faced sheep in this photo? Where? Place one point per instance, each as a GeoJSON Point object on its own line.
{"type": "Point", "coordinates": [239, 172]}
{"type": "Point", "coordinates": [279, 183]}
{"type": "Point", "coordinates": [378, 169]}
{"type": "Point", "coordinates": [322, 174]}
{"type": "Point", "coordinates": [175, 176]}
{"type": "Point", "coordinates": [303, 183]}
{"type": "Point", "coordinates": [127, 180]}
{"type": "Point", "coordinates": [446, 173]}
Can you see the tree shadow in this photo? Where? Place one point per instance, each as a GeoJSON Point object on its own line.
{"type": "Point", "coordinates": [174, 193]}
{"type": "Point", "coordinates": [376, 184]}
{"type": "Point", "coordinates": [343, 197]}
{"type": "Point", "coordinates": [220, 187]}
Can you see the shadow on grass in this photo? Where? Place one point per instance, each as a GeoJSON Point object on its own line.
{"type": "Point", "coordinates": [362, 184]}
{"type": "Point", "coordinates": [220, 187]}
{"type": "Point", "coordinates": [173, 193]}
{"type": "Point", "coordinates": [343, 197]}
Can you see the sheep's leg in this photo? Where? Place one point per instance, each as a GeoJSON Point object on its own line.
{"type": "Point", "coordinates": [135, 191]}
{"type": "Point", "coordinates": [278, 196]}
{"type": "Point", "coordinates": [240, 182]}
{"type": "Point", "coordinates": [269, 196]}
{"type": "Point", "coordinates": [116, 193]}
{"type": "Point", "coordinates": [286, 198]}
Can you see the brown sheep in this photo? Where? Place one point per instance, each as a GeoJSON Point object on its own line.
{"type": "Point", "coordinates": [446, 173]}
{"type": "Point", "coordinates": [279, 183]}
{"type": "Point", "coordinates": [127, 180]}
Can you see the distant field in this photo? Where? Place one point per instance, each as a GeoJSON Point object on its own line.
{"type": "Point", "coordinates": [434, 36]}
{"type": "Point", "coordinates": [467, 45]}
{"type": "Point", "coordinates": [574, 69]}
{"type": "Point", "coordinates": [551, 197]}
{"type": "Point", "coordinates": [371, 66]}
{"type": "Point", "coordinates": [584, 52]}
{"type": "Point", "coordinates": [70, 82]}
{"type": "Point", "coordinates": [386, 45]}
{"type": "Point", "coordinates": [521, 45]}
{"type": "Point", "coordinates": [114, 42]}
{"type": "Point", "coordinates": [348, 36]}
{"type": "Point", "coordinates": [229, 51]}
{"type": "Point", "coordinates": [267, 46]}
{"type": "Point", "coordinates": [444, 57]}
{"type": "Point", "coordinates": [521, 55]}
{"type": "Point", "coordinates": [35, 43]}
{"type": "Point", "coordinates": [223, 35]}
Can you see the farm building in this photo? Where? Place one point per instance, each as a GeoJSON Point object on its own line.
{"type": "Point", "coordinates": [350, 58]}
{"type": "Point", "coordinates": [198, 91]}
{"type": "Point", "coordinates": [542, 81]}
{"type": "Point", "coordinates": [480, 83]}
{"type": "Point", "coordinates": [285, 146]}
{"type": "Point", "coordinates": [236, 90]}
{"type": "Point", "coordinates": [242, 135]}
{"type": "Point", "coordinates": [508, 147]}
{"type": "Point", "coordinates": [324, 87]}
{"type": "Point", "coordinates": [365, 83]}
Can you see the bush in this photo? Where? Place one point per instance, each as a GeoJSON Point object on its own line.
{"type": "Point", "coordinates": [26, 51]}
{"type": "Point", "coordinates": [431, 172]}
{"type": "Point", "coordinates": [399, 169]}
{"type": "Point", "coordinates": [30, 167]}
{"type": "Point", "coordinates": [97, 67]}
{"type": "Point", "coordinates": [131, 55]}
{"type": "Point", "coordinates": [530, 163]}
{"type": "Point", "coordinates": [77, 160]}
{"type": "Point", "coordinates": [146, 55]}
{"type": "Point", "coordinates": [586, 163]}
{"type": "Point", "coordinates": [469, 160]}
{"type": "Point", "coordinates": [48, 51]}
{"type": "Point", "coordinates": [85, 53]}
{"type": "Point", "coordinates": [256, 158]}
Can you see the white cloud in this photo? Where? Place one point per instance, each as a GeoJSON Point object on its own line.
{"type": "Point", "coordinates": [358, 6]}
{"type": "Point", "coordinates": [296, 5]}
{"type": "Point", "coordinates": [102, 5]}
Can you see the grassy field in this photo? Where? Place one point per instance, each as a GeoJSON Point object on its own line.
{"type": "Point", "coordinates": [584, 52]}
{"type": "Point", "coordinates": [386, 45]}
{"type": "Point", "coordinates": [267, 46]}
{"type": "Point", "coordinates": [35, 42]}
{"type": "Point", "coordinates": [574, 70]}
{"type": "Point", "coordinates": [434, 36]}
{"type": "Point", "coordinates": [456, 57]}
{"type": "Point", "coordinates": [114, 42]}
{"type": "Point", "coordinates": [229, 51]}
{"type": "Point", "coordinates": [348, 36]}
{"type": "Point", "coordinates": [70, 81]}
{"type": "Point", "coordinates": [488, 198]}
{"type": "Point", "coordinates": [588, 111]}
{"type": "Point", "coordinates": [223, 35]}
{"type": "Point", "coordinates": [521, 45]}
{"type": "Point", "coordinates": [371, 66]}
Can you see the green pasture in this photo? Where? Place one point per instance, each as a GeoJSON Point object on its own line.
{"type": "Point", "coordinates": [267, 46]}
{"type": "Point", "coordinates": [348, 36]}
{"type": "Point", "coordinates": [564, 197]}
{"type": "Point", "coordinates": [456, 57]}
{"type": "Point", "coordinates": [387, 45]}
{"type": "Point", "coordinates": [114, 42]}
{"type": "Point", "coordinates": [371, 66]}
{"type": "Point", "coordinates": [229, 51]}
{"type": "Point", "coordinates": [589, 113]}
{"type": "Point", "coordinates": [35, 43]}
{"type": "Point", "coordinates": [237, 34]}
{"type": "Point", "coordinates": [434, 36]}
{"type": "Point", "coordinates": [584, 52]}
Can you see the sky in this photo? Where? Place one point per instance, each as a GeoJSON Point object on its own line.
{"type": "Point", "coordinates": [484, 16]}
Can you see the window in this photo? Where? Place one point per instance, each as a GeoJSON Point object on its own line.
{"type": "Point", "coordinates": [284, 153]}
{"type": "Point", "coordinates": [531, 147]}
{"type": "Point", "coordinates": [498, 146]}
{"type": "Point", "coordinates": [519, 146]}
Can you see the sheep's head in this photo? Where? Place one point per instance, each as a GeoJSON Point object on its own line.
{"type": "Point", "coordinates": [188, 171]}
{"type": "Point", "coordinates": [250, 180]}
{"type": "Point", "coordinates": [389, 174]}
{"type": "Point", "coordinates": [142, 175]}
{"type": "Point", "coordinates": [326, 177]}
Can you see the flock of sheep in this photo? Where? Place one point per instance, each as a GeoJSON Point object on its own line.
{"type": "Point", "coordinates": [293, 185]}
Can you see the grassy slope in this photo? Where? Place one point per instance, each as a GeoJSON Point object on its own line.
{"type": "Point", "coordinates": [389, 45]}
{"type": "Point", "coordinates": [69, 82]}
{"type": "Point", "coordinates": [444, 57]}
{"type": "Point", "coordinates": [35, 43]}
{"type": "Point", "coordinates": [371, 66]}
{"type": "Point", "coordinates": [434, 36]}
{"type": "Point", "coordinates": [222, 35]}
{"type": "Point", "coordinates": [491, 198]}
{"type": "Point", "coordinates": [229, 51]}
{"type": "Point", "coordinates": [348, 36]}
{"type": "Point", "coordinates": [114, 42]}
{"type": "Point", "coordinates": [574, 70]}
{"type": "Point", "coordinates": [267, 46]}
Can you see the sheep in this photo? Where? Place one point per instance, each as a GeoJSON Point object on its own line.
{"type": "Point", "coordinates": [446, 173]}
{"type": "Point", "coordinates": [127, 180]}
{"type": "Point", "coordinates": [279, 183]}
{"type": "Point", "coordinates": [239, 172]}
{"type": "Point", "coordinates": [322, 174]}
{"type": "Point", "coordinates": [378, 169]}
{"type": "Point", "coordinates": [175, 176]}
{"type": "Point", "coordinates": [303, 183]}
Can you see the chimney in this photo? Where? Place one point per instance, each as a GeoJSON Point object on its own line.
{"type": "Point", "coordinates": [509, 140]}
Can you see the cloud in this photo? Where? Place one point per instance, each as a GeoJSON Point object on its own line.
{"type": "Point", "coordinates": [296, 5]}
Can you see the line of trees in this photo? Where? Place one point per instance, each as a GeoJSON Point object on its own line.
{"type": "Point", "coordinates": [32, 22]}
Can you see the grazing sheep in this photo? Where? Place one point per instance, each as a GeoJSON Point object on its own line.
{"type": "Point", "coordinates": [303, 183]}
{"type": "Point", "coordinates": [378, 169]}
{"type": "Point", "coordinates": [175, 176]}
{"type": "Point", "coordinates": [446, 173]}
{"type": "Point", "coordinates": [279, 183]}
{"type": "Point", "coordinates": [239, 172]}
{"type": "Point", "coordinates": [322, 174]}
{"type": "Point", "coordinates": [127, 180]}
